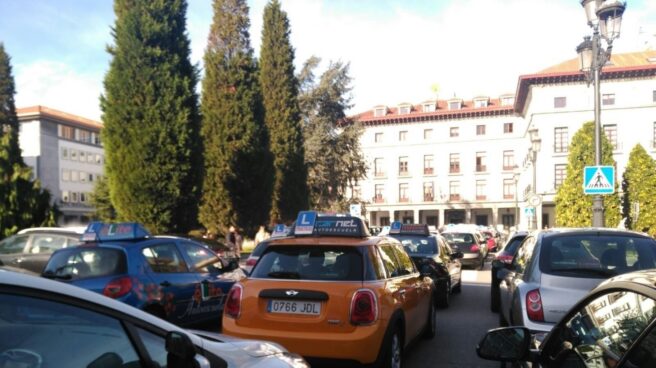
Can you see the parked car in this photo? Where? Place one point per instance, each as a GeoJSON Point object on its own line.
{"type": "Point", "coordinates": [553, 269]}
{"type": "Point", "coordinates": [471, 243]}
{"type": "Point", "coordinates": [332, 293]}
{"type": "Point", "coordinates": [279, 231]}
{"type": "Point", "coordinates": [432, 255]}
{"type": "Point", "coordinates": [56, 325]}
{"type": "Point", "coordinates": [503, 257]}
{"type": "Point", "coordinates": [31, 248]}
{"type": "Point", "coordinates": [614, 325]}
{"type": "Point", "coordinates": [171, 277]}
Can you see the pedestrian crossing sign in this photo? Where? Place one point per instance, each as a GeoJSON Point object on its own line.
{"type": "Point", "coordinates": [599, 180]}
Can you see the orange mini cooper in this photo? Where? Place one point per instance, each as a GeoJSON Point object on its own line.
{"type": "Point", "coordinates": [334, 294]}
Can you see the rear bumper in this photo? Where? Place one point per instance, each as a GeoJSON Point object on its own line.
{"type": "Point", "coordinates": [361, 345]}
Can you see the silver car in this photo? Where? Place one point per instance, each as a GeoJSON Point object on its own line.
{"type": "Point", "coordinates": [553, 269]}
{"type": "Point", "coordinates": [52, 324]}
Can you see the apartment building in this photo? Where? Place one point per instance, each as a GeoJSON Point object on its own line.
{"type": "Point", "coordinates": [66, 155]}
{"type": "Point", "coordinates": [455, 160]}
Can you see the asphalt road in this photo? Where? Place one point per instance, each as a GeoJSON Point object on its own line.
{"type": "Point", "coordinates": [459, 328]}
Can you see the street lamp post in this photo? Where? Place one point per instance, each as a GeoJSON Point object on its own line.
{"type": "Point", "coordinates": [516, 173]}
{"type": "Point", "coordinates": [605, 19]}
{"type": "Point", "coordinates": [536, 143]}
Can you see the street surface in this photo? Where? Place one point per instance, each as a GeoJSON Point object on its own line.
{"type": "Point", "coordinates": [459, 327]}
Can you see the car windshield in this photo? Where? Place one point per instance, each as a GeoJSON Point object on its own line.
{"type": "Point", "coordinates": [597, 255]}
{"type": "Point", "coordinates": [416, 245]}
{"type": "Point", "coordinates": [330, 263]}
{"type": "Point", "coordinates": [459, 238]}
{"type": "Point", "coordinates": [513, 244]}
{"type": "Point", "coordinates": [84, 262]}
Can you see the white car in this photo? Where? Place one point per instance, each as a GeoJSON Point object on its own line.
{"type": "Point", "coordinates": [52, 324]}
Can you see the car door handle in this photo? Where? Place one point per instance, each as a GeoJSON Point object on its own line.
{"type": "Point", "coordinates": [165, 283]}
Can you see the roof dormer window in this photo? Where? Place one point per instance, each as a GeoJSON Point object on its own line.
{"type": "Point", "coordinates": [507, 100]}
{"type": "Point", "coordinates": [428, 106]}
{"type": "Point", "coordinates": [380, 111]}
{"type": "Point", "coordinates": [455, 104]}
{"type": "Point", "coordinates": [404, 109]}
{"type": "Point", "coordinates": [481, 102]}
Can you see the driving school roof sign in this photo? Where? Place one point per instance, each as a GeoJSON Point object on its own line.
{"type": "Point", "coordinates": [310, 223]}
{"type": "Point", "coordinates": [599, 180]}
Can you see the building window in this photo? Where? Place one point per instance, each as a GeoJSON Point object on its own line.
{"type": "Point", "coordinates": [66, 175]}
{"type": "Point", "coordinates": [64, 153]}
{"type": "Point", "coordinates": [480, 130]}
{"type": "Point", "coordinates": [83, 177]}
{"type": "Point", "coordinates": [379, 170]}
{"type": "Point", "coordinates": [66, 132]}
{"type": "Point", "coordinates": [508, 188]}
{"type": "Point", "coordinates": [454, 132]}
{"type": "Point", "coordinates": [378, 193]}
{"type": "Point", "coordinates": [73, 197]}
{"type": "Point", "coordinates": [65, 196]}
{"type": "Point", "coordinates": [356, 192]}
{"type": "Point", "coordinates": [428, 134]}
{"type": "Point", "coordinates": [90, 177]}
{"type": "Point", "coordinates": [429, 107]}
{"type": "Point", "coordinates": [403, 166]}
{"type": "Point", "coordinates": [403, 110]}
{"type": "Point", "coordinates": [428, 165]}
{"type": "Point", "coordinates": [89, 157]}
{"type": "Point", "coordinates": [507, 128]}
{"type": "Point", "coordinates": [481, 162]}
{"type": "Point", "coordinates": [73, 155]}
{"type": "Point", "coordinates": [454, 105]}
{"type": "Point", "coordinates": [560, 102]}
{"type": "Point", "coordinates": [428, 192]}
{"type": "Point", "coordinates": [480, 103]}
{"type": "Point", "coordinates": [403, 193]}
{"type": "Point", "coordinates": [378, 137]}
{"type": "Point", "coordinates": [99, 159]}
{"type": "Point", "coordinates": [83, 156]}
{"type": "Point", "coordinates": [454, 190]}
{"type": "Point", "coordinates": [507, 101]}
{"type": "Point", "coordinates": [84, 136]}
{"type": "Point", "coordinates": [608, 99]}
{"type": "Point", "coordinates": [454, 163]}
{"type": "Point", "coordinates": [611, 133]}
{"type": "Point", "coordinates": [480, 190]}
{"type": "Point", "coordinates": [83, 197]}
{"type": "Point", "coordinates": [380, 111]}
{"type": "Point", "coordinates": [561, 139]}
{"type": "Point", "coordinates": [75, 175]}
{"type": "Point", "coordinates": [508, 160]}
{"type": "Point", "coordinates": [559, 174]}
{"type": "Point", "coordinates": [403, 135]}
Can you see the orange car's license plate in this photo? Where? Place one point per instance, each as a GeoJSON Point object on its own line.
{"type": "Point", "coordinates": [294, 307]}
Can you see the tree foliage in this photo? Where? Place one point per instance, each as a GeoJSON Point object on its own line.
{"type": "Point", "coordinates": [332, 141]}
{"type": "Point", "coordinates": [640, 184]}
{"type": "Point", "coordinates": [282, 116]}
{"type": "Point", "coordinates": [573, 208]}
{"type": "Point", "coordinates": [238, 164]}
{"type": "Point", "coordinates": [101, 201]}
{"type": "Point", "coordinates": [23, 203]}
{"type": "Point", "coordinates": [151, 117]}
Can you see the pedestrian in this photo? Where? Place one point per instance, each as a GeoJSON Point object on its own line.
{"type": "Point", "coordinates": [233, 241]}
{"type": "Point", "coordinates": [261, 235]}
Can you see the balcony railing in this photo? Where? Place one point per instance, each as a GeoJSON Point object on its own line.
{"type": "Point", "coordinates": [454, 168]}
{"type": "Point", "coordinates": [379, 174]}
{"type": "Point", "coordinates": [454, 197]}
{"type": "Point", "coordinates": [481, 197]}
{"type": "Point", "coordinates": [428, 171]}
{"type": "Point", "coordinates": [404, 200]}
{"type": "Point", "coordinates": [428, 198]}
{"type": "Point", "coordinates": [508, 167]}
{"type": "Point", "coordinates": [403, 172]}
{"type": "Point", "coordinates": [508, 196]}
{"type": "Point", "coordinates": [379, 199]}
{"type": "Point", "coordinates": [481, 168]}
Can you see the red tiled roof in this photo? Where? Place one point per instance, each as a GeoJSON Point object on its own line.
{"type": "Point", "coordinates": [26, 112]}
{"type": "Point", "coordinates": [628, 65]}
{"type": "Point", "coordinates": [442, 112]}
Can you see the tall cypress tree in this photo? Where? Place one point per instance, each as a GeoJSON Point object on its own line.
{"type": "Point", "coordinates": [640, 178]}
{"type": "Point", "coordinates": [151, 117]}
{"type": "Point", "coordinates": [23, 203]}
{"type": "Point", "coordinates": [573, 208]}
{"type": "Point", "coordinates": [238, 167]}
{"type": "Point", "coordinates": [282, 116]}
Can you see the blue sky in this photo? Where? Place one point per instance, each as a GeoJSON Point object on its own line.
{"type": "Point", "coordinates": [397, 49]}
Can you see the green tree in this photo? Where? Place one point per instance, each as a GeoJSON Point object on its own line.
{"type": "Point", "coordinates": [238, 163]}
{"type": "Point", "coordinates": [640, 185]}
{"type": "Point", "coordinates": [23, 203]}
{"type": "Point", "coordinates": [282, 116]}
{"type": "Point", "coordinates": [332, 141]}
{"type": "Point", "coordinates": [573, 208]}
{"type": "Point", "coordinates": [151, 117]}
{"type": "Point", "coordinates": [101, 201]}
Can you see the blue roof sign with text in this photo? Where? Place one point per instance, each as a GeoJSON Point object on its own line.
{"type": "Point", "coordinates": [599, 180]}
{"type": "Point", "coordinates": [305, 222]}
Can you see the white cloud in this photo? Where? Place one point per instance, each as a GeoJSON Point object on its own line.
{"type": "Point", "coordinates": [58, 86]}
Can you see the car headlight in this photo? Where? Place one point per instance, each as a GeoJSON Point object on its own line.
{"type": "Point", "coordinates": [294, 360]}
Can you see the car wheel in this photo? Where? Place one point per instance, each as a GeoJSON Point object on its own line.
{"type": "Point", "coordinates": [431, 323]}
{"type": "Point", "coordinates": [458, 288]}
{"type": "Point", "coordinates": [494, 296]}
{"type": "Point", "coordinates": [443, 297]}
{"type": "Point", "coordinates": [392, 350]}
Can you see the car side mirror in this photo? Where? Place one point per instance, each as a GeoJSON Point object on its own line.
{"type": "Point", "coordinates": [506, 344]}
{"type": "Point", "coordinates": [182, 352]}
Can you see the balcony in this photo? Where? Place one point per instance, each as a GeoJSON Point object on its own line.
{"type": "Point", "coordinates": [481, 197]}
{"type": "Point", "coordinates": [378, 199]}
{"type": "Point", "coordinates": [508, 196]}
{"type": "Point", "coordinates": [454, 168]}
{"type": "Point", "coordinates": [454, 197]}
{"type": "Point", "coordinates": [428, 198]}
{"type": "Point", "coordinates": [428, 171]}
{"type": "Point", "coordinates": [508, 168]}
{"type": "Point", "coordinates": [379, 174]}
{"type": "Point", "coordinates": [404, 173]}
{"type": "Point", "coordinates": [404, 200]}
{"type": "Point", "coordinates": [481, 168]}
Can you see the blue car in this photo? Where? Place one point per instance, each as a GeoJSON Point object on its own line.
{"type": "Point", "coordinates": [176, 279]}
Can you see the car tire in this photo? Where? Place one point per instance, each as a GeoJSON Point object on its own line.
{"type": "Point", "coordinates": [494, 296]}
{"type": "Point", "coordinates": [431, 324]}
{"type": "Point", "coordinates": [392, 349]}
{"type": "Point", "coordinates": [458, 288]}
{"type": "Point", "coordinates": [442, 300]}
